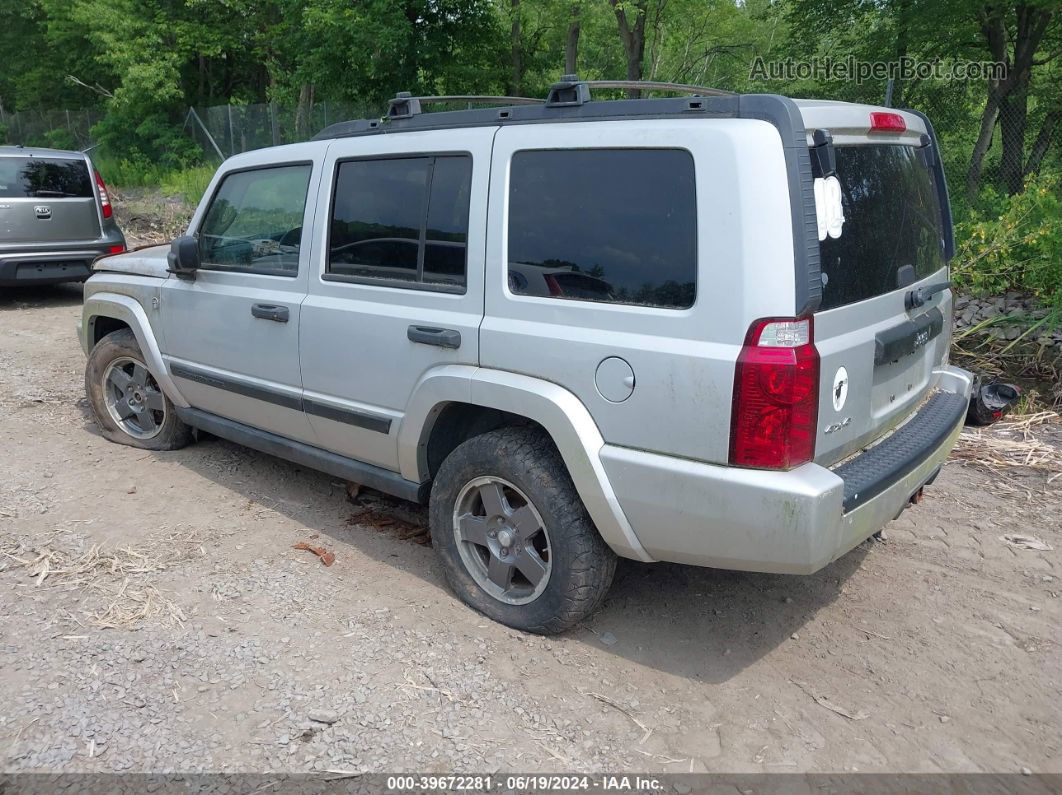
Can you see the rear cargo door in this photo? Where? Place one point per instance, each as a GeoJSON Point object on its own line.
{"type": "Point", "coordinates": [877, 352]}
{"type": "Point", "coordinates": [47, 200]}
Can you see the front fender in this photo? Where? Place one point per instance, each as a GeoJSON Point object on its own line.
{"type": "Point", "coordinates": [556, 409]}
{"type": "Point", "coordinates": [130, 312]}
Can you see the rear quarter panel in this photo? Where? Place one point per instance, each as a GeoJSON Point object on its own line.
{"type": "Point", "coordinates": [683, 360]}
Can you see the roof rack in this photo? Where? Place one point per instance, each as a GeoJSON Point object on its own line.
{"type": "Point", "coordinates": [568, 100]}
{"type": "Point", "coordinates": [570, 90]}
{"type": "Point", "coordinates": [405, 105]}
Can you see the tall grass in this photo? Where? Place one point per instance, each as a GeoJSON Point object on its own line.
{"type": "Point", "coordinates": [188, 184]}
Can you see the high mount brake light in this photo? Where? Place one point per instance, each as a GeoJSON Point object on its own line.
{"type": "Point", "coordinates": [776, 395]}
{"type": "Point", "coordinates": [105, 199]}
{"type": "Point", "coordinates": [887, 122]}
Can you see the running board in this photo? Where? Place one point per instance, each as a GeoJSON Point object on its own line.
{"type": "Point", "coordinates": [313, 457]}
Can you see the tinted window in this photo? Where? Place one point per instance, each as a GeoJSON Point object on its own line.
{"type": "Point", "coordinates": [254, 222]}
{"type": "Point", "coordinates": [614, 225]}
{"type": "Point", "coordinates": [28, 177]}
{"type": "Point", "coordinates": [403, 219]}
{"type": "Point", "coordinates": [447, 224]}
{"type": "Point", "coordinates": [891, 219]}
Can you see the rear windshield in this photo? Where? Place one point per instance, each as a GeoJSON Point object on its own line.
{"type": "Point", "coordinates": [30, 177]}
{"type": "Point", "coordinates": [891, 219]}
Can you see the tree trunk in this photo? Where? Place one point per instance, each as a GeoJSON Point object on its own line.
{"type": "Point", "coordinates": [516, 39]}
{"type": "Point", "coordinates": [984, 141]}
{"type": "Point", "coordinates": [1013, 116]}
{"type": "Point", "coordinates": [571, 47]}
{"type": "Point", "coordinates": [1043, 142]}
{"type": "Point", "coordinates": [303, 110]}
{"type": "Point", "coordinates": [903, 27]}
{"type": "Point", "coordinates": [1008, 99]}
{"type": "Point", "coordinates": [633, 38]}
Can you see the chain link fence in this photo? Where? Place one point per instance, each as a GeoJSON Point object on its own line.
{"type": "Point", "coordinates": [995, 152]}
{"type": "Point", "coordinates": [993, 145]}
{"type": "Point", "coordinates": [56, 129]}
{"type": "Point", "coordinates": [225, 130]}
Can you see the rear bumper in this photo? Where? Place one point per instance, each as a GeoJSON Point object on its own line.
{"type": "Point", "coordinates": [791, 522]}
{"type": "Point", "coordinates": [53, 264]}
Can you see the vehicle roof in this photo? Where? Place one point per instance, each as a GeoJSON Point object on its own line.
{"type": "Point", "coordinates": [571, 100]}
{"type": "Point", "coordinates": [36, 151]}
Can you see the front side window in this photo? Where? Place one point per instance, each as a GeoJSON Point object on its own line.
{"type": "Point", "coordinates": [403, 220]}
{"type": "Point", "coordinates": [254, 223]}
{"type": "Point", "coordinates": [609, 225]}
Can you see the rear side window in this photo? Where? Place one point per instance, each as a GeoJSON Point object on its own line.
{"type": "Point", "coordinates": [31, 177]}
{"type": "Point", "coordinates": [402, 220]}
{"type": "Point", "coordinates": [610, 225]}
{"type": "Point", "coordinates": [892, 218]}
{"type": "Point", "coordinates": [254, 223]}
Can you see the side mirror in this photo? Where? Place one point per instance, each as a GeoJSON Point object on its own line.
{"type": "Point", "coordinates": [183, 258]}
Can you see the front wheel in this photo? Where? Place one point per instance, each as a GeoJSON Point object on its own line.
{"type": "Point", "coordinates": [515, 539]}
{"type": "Point", "coordinates": [126, 400]}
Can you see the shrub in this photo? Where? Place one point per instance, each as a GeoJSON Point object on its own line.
{"type": "Point", "coordinates": [1014, 243]}
{"type": "Point", "coordinates": [189, 184]}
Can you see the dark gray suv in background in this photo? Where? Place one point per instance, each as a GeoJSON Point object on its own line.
{"type": "Point", "coordinates": [55, 217]}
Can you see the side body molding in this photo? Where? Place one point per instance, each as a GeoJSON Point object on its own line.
{"type": "Point", "coordinates": [556, 409]}
{"type": "Point", "coordinates": [130, 312]}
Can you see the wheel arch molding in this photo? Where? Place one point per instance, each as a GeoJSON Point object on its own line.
{"type": "Point", "coordinates": [560, 414]}
{"type": "Point", "coordinates": [127, 310]}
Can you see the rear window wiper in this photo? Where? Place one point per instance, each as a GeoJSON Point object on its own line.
{"type": "Point", "coordinates": [46, 192]}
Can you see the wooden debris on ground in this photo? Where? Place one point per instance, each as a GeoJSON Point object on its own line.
{"type": "Point", "coordinates": [327, 558]}
{"type": "Point", "coordinates": [117, 575]}
{"type": "Point", "coordinates": [1031, 441]}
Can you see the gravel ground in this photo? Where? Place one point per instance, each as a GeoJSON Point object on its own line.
{"type": "Point", "coordinates": [171, 626]}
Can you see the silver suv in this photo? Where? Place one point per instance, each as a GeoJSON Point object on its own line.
{"type": "Point", "coordinates": [55, 217]}
{"type": "Point", "coordinates": [708, 329]}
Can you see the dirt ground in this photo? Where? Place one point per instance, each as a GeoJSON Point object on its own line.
{"type": "Point", "coordinates": [154, 617]}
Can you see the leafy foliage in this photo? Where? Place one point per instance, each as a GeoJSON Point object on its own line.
{"type": "Point", "coordinates": [144, 62]}
{"type": "Point", "coordinates": [1015, 243]}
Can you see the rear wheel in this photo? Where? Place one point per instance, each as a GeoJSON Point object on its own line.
{"type": "Point", "coordinates": [127, 402]}
{"type": "Point", "coordinates": [514, 538]}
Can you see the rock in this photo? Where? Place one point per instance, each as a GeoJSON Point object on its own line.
{"type": "Point", "coordinates": [944, 718]}
{"type": "Point", "coordinates": [131, 489]}
{"type": "Point", "coordinates": [794, 636]}
{"type": "Point", "coordinates": [323, 716]}
{"type": "Point", "coordinates": [682, 787]}
{"type": "Point", "coordinates": [608, 638]}
{"type": "Point", "coordinates": [1026, 771]}
{"type": "Point", "coordinates": [1012, 332]}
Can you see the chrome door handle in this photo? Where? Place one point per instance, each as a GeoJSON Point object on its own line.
{"type": "Point", "coordinates": [428, 335]}
{"type": "Point", "coordinates": [270, 312]}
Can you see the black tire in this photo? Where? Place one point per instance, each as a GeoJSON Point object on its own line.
{"type": "Point", "coordinates": [581, 564]}
{"type": "Point", "coordinates": [121, 346]}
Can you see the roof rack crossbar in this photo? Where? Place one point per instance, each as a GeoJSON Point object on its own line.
{"type": "Point", "coordinates": [405, 105]}
{"type": "Point", "coordinates": [570, 90]}
{"type": "Point", "coordinates": [653, 85]}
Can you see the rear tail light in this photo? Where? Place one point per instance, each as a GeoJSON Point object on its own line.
{"type": "Point", "coordinates": [887, 122]}
{"type": "Point", "coordinates": [776, 395]}
{"type": "Point", "coordinates": [118, 249]}
{"type": "Point", "coordinates": [105, 199]}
